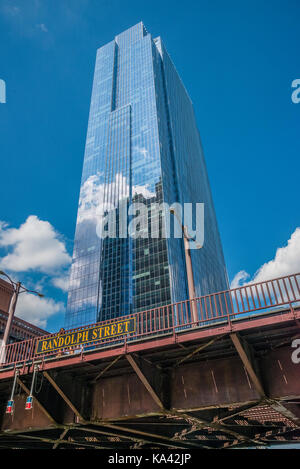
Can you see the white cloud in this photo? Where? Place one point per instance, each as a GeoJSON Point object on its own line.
{"type": "Point", "coordinates": [285, 262]}
{"type": "Point", "coordinates": [35, 245]}
{"type": "Point", "coordinates": [38, 285]}
{"type": "Point", "coordinates": [37, 310]}
{"type": "Point", "coordinates": [61, 282]}
{"type": "Point", "coordinates": [144, 190]}
{"type": "Point", "coordinates": [42, 27]}
{"type": "Point", "coordinates": [239, 278]}
{"type": "Point", "coordinates": [94, 193]}
{"type": "Point", "coordinates": [91, 199]}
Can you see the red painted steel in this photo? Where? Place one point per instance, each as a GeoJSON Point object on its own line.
{"type": "Point", "coordinates": [226, 307]}
{"type": "Point", "coordinates": [161, 341]}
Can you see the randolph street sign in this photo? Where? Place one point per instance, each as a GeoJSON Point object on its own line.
{"type": "Point", "coordinates": [84, 336]}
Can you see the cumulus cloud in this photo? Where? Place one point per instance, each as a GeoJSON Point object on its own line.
{"type": "Point", "coordinates": [37, 310]}
{"type": "Point", "coordinates": [239, 279]}
{"type": "Point", "coordinates": [94, 194]}
{"type": "Point", "coordinates": [286, 261]}
{"type": "Point", "coordinates": [35, 245]}
{"type": "Point", "coordinates": [144, 190]}
{"type": "Point", "coordinates": [61, 282]}
{"type": "Point", "coordinates": [91, 199]}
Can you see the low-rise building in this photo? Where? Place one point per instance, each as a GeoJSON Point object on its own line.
{"type": "Point", "coordinates": [21, 330]}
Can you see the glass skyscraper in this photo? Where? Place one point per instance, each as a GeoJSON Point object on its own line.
{"type": "Point", "coordinates": [142, 145]}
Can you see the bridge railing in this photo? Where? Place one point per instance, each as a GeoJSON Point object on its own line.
{"type": "Point", "coordinates": [240, 303]}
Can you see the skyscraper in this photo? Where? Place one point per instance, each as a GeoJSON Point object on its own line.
{"type": "Point", "coordinates": [142, 145]}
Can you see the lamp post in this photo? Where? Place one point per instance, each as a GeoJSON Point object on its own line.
{"type": "Point", "coordinates": [18, 288]}
{"type": "Point", "coordinates": [189, 268]}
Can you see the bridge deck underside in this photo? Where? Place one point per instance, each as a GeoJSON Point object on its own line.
{"type": "Point", "coordinates": [222, 389]}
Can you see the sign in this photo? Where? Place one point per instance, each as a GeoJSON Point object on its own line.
{"type": "Point", "coordinates": [85, 336]}
{"type": "Point", "coordinates": [9, 407]}
{"type": "Point", "coordinates": [28, 405]}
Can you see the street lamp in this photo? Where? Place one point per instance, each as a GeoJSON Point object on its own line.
{"type": "Point", "coordinates": [18, 288]}
{"type": "Point", "coordinates": [189, 266]}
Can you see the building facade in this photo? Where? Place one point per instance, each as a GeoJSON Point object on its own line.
{"type": "Point", "coordinates": [142, 146]}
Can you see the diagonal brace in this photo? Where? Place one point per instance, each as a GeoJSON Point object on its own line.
{"type": "Point", "coordinates": [63, 395]}
{"type": "Point", "coordinates": [144, 379]}
{"type": "Point", "coordinates": [245, 357]}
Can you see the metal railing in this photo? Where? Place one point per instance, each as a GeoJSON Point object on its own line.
{"type": "Point", "coordinates": [240, 303]}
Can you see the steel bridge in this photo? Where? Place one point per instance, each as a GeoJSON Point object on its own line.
{"type": "Point", "coordinates": [226, 380]}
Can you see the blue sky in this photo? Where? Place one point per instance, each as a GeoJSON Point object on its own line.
{"type": "Point", "coordinates": [237, 61]}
